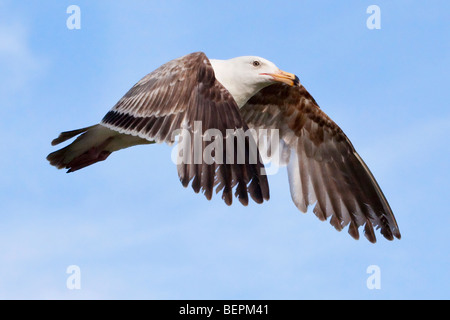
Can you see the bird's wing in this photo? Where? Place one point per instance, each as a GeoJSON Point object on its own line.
{"type": "Point", "coordinates": [176, 96]}
{"type": "Point", "coordinates": [324, 167]}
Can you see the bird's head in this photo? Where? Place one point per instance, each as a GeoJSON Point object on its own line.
{"type": "Point", "coordinates": [253, 69]}
{"type": "Point", "coordinates": [245, 76]}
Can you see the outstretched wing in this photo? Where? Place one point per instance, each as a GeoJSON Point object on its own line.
{"type": "Point", "coordinates": [176, 96]}
{"type": "Point", "coordinates": [324, 169]}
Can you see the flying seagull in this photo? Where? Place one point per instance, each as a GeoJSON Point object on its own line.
{"type": "Point", "coordinates": [324, 169]}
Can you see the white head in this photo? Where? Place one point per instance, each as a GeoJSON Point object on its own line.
{"type": "Point", "coordinates": [245, 76]}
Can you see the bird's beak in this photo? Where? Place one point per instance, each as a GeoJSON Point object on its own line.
{"type": "Point", "coordinates": [285, 77]}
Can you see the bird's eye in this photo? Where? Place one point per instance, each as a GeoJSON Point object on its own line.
{"type": "Point", "coordinates": [256, 63]}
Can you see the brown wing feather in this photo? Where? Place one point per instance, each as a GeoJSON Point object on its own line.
{"type": "Point", "coordinates": [324, 168]}
{"type": "Point", "coordinates": [175, 96]}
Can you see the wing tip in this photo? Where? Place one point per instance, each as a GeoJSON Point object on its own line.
{"type": "Point", "coordinates": [353, 230]}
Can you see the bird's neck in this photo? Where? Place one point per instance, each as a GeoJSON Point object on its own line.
{"type": "Point", "coordinates": [239, 88]}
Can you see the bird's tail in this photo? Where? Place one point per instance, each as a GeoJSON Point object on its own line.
{"type": "Point", "coordinates": [94, 144]}
{"type": "Point", "coordinates": [90, 147]}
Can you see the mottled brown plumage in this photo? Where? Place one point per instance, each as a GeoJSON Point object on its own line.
{"type": "Point", "coordinates": [324, 168]}
{"type": "Point", "coordinates": [173, 97]}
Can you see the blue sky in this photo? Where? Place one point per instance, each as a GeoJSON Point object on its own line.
{"type": "Point", "coordinates": [131, 227]}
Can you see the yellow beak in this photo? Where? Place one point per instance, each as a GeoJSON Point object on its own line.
{"type": "Point", "coordinates": [285, 77]}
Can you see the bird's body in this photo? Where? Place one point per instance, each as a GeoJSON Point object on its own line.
{"type": "Point", "coordinates": [238, 94]}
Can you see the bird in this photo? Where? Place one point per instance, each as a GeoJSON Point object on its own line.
{"type": "Point", "coordinates": [236, 95]}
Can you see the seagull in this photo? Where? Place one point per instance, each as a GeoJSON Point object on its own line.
{"type": "Point", "coordinates": [324, 170]}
